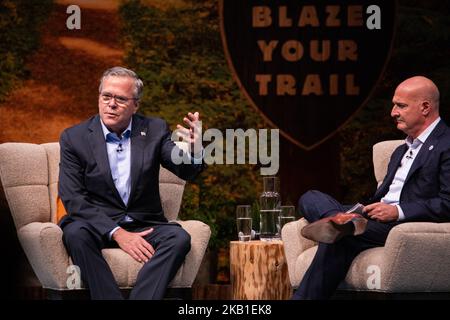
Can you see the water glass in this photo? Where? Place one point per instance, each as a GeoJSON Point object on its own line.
{"type": "Point", "coordinates": [287, 214]}
{"type": "Point", "coordinates": [244, 222]}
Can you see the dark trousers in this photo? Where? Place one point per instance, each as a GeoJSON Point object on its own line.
{"type": "Point", "coordinates": [332, 261]}
{"type": "Point", "coordinates": [171, 244]}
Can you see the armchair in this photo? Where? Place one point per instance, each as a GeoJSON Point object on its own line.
{"type": "Point", "coordinates": [415, 259]}
{"type": "Point", "coordinates": [29, 175]}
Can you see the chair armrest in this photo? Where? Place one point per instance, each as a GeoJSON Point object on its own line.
{"type": "Point", "coordinates": [200, 234]}
{"type": "Point", "coordinates": [417, 257]}
{"type": "Point", "coordinates": [43, 246]}
{"type": "Point", "coordinates": [294, 243]}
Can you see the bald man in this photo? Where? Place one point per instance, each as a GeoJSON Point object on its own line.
{"type": "Point", "coordinates": [416, 188]}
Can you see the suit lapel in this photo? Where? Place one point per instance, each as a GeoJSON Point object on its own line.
{"type": "Point", "coordinates": [426, 149]}
{"type": "Point", "coordinates": [98, 147]}
{"type": "Point", "coordinates": [138, 140]}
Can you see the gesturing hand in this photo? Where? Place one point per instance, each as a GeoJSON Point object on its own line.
{"type": "Point", "coordinates": [134, 244]}
{"type": "Point", "coordinates": [193, 134]}
{"type": "Point", "coordinates": [381, 212]}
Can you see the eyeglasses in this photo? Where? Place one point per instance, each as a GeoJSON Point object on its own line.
{"type": "Point", "coordinates": [120, 100]}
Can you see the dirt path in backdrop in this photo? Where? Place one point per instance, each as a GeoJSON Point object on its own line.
{"type": "Point", "coordinates": [64, 73]}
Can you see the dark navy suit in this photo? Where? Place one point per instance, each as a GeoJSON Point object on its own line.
{"type": "Point", "coordinates": [95, 207]}
{"type": "Point", "coordinates": [425, 197]}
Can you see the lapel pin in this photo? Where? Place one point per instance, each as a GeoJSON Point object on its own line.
{"type": "Point", "coordinates": [142, 133]}
{"type": "Point", "coordinates": [431, 147]}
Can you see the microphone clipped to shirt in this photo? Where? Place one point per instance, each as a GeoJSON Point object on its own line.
{"type": "Point", "coordinates": [119, 148]}
{"type": "Point", "coordinates": [410, 155]}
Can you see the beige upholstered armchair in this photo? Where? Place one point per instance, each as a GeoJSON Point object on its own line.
{"type": "Point", "coordinates": [29, 174]}
{"type": "Point", "coordinates": [414, 260]}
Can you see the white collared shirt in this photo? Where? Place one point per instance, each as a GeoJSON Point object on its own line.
{"type": "Point", "coordinates": [414, 146]}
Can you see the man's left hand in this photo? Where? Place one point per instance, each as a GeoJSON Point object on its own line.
{"type": "Point", "coordinates": [381, 212]}
{"type": "Point", "coordinates": [193, 134]}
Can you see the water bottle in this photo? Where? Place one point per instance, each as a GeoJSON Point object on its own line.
{"type": "Point", "coordinates": [270, 209]}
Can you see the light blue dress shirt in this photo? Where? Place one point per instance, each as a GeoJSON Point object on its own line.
{"type": "Point", "coordinates": [119, 157]}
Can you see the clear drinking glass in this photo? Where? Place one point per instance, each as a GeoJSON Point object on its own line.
{"type": "Point", "coordinates": [270, 209]}
{"type": "Point", "coordinates": [244, 222]}
{"type": "Point", "coordinates": [287, 214]}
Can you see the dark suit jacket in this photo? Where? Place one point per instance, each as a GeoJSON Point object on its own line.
{"type": "Point", "coordinates": [86, 186]}
{"type": "Point", "coordinates": [426, 192]}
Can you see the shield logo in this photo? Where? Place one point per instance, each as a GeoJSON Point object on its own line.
{"type": "Point", "coordinates": [307, 66]}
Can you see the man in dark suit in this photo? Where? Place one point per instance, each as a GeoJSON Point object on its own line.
{"type": "Point", "coordinates": [416, 188]}
{"type": "Point", "coordinates": [109, 184]}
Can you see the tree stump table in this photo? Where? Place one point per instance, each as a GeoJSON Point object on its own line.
{"type": "Point", "coordinates": [259, 271]}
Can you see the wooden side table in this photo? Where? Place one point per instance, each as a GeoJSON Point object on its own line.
{"type": "Point", "coordinates": [259, 271]}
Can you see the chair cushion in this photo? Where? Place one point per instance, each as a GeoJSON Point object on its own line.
{"type": "Point", "coordinates": [358, 274]}
{"type": "Point", "coordinates": [24, 177]}
{"type": "Point", "coordinates": [382, 152]}
{"type": "Point", "coordinates": [302, 264]}
{"type": "Point", "coordinates": [125, 269]}
{"type": "Point", "coordinates": [123, 266]}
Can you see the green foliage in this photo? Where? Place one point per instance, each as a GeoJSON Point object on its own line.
{"type": "Point", "coordinates": [179, 55]}
{"type": "Point", "coordinates": [19, 36]}
{"type": "Point", "coordinates": [421, 47]}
